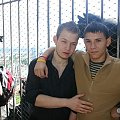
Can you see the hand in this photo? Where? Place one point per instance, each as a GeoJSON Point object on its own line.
{"type": "Point", "coordinates": [76, 104]}
{"type": "Point", "coordinates": [114, 113]}
{"type": "Point", "coordinates": [41, 70]}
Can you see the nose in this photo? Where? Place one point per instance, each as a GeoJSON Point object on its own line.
{"type": "Point", "coordinates": [93, 45]}
{"type": "Point", "coordinates": [68, 47]}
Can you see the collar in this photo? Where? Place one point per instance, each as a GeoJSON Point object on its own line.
{"type": "Point", "coordinates": [70, 61]}
{"type": "Point", "coordinates": [108, 60]}
{"type": "Point", "coordinates": [50, 57]}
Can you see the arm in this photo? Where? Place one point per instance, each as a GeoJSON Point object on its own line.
{"type": "Point", "coordinates": [74, 103]}
{"type": "Point", "coordinates": [40, 68]}
{"type": "Point", "coordinates": [73, 116]}
{"type": "Point", "coordinates": [36, 96]}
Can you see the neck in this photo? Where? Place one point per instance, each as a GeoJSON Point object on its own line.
{"type": "Point", "coordinates": [59, 63]}
{"type": "Point", "coordinates": [99, 60]}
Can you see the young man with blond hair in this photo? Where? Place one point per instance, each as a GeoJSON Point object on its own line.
{"type": "Point", "coordinates": [55, 97]}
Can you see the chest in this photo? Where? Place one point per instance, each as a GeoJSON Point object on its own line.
{"type": "Point", "coordinates": [63, 86]}
{"type": "Point", "coordinates": [105, 83]}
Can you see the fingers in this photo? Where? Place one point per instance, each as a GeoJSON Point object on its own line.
{"type": "Point", "coordinates": [36, 72]}
{"type": "Point", "coordinates": [80, 105]}
{"type": "Point", "coordinates": [39, 73]}
{"type": "Point", "coordinates": [83, 109]}
{"type": "Point", "coordinates": [46, 72]}
{"type": "Point", "coordinates": [42, 74]}
{"type": "Point", "coordinates": [41, 70]}
{"type": "Point", "coordinates": [79, 95]}
{"type": "Point", "coordinates": [86, 103]}
{"type": "Point", "coordinates": [83, 101]}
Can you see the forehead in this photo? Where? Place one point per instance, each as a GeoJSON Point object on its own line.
{"type": "Point", "coordinates": [95, 35]}
{"type": "Point", "coordinates": [67, 35]}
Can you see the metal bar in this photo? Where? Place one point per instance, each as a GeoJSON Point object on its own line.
{"type": "Point", "coordinates": [19, 39]}
{"type": "Point", "coordinates": [3, 35]}
{"type": "Point", "coordinates": [59, 11]}
{"type": "Point", "coordinates": [118, 31]}
{"type": "Point", "coordinates": [48, 21]}
{"type": "Point", "coordinates": [19, 50]}
{"type": "Point", "coordinates": [11, 45]}
{"type": "Point", "coordinates": [72, 10]}
{"type": "Point", "coordinates": [37, 28]}
{"type": "Point", "coordinates": [102, 10]}
{"type": "Point", "coordinates": [11, 42]}
{"type": "Point", "coordinates": [3, 45]}
{"type": "Point", "coordinates": [28, 30]}
{"type": "Point", "coordinates": [3, 3]}
{"type": "Point", "coordinates": [86, 12]}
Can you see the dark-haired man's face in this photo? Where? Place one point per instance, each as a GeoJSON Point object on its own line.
{"type": "Point", "coordinates": [96, 45]}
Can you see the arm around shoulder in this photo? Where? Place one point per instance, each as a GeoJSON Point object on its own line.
{"type": "Point", "coordinates": [40, 68]}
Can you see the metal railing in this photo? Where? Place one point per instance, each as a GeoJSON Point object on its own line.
{"type": "Point", "coordinates": [27, 27]}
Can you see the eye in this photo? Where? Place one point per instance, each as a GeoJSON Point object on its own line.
{"type": "Point", "coordinates": [74, 44]}
{"type": "Point", "coordinates": [87, 41]}
{"type": "Point", "coordinates": [98, 40]}
{"type": "Point", "coordinates": [63, 41]}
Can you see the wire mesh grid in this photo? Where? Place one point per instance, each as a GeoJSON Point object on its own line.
{"type": "Point", "coordinates": [28, 27]}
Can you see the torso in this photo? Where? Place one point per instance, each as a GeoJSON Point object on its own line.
{"type": "Point", "coordinates": [57, 85]}
{"type": "Point", "coordinates": [102, 91]}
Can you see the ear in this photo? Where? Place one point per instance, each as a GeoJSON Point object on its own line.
{"type": "Point", "coordinates": [108, 41]}
{"type": "Point", "coordinates": [55, 39]}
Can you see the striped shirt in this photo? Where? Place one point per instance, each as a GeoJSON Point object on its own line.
{"type": "Point", "coordinates": [94, 67]}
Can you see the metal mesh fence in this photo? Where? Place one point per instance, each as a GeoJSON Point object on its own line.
{"type": "Point", "coordinates": [28, 26]}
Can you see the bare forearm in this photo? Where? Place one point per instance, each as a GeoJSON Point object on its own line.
{"type": "Point", "coordinates": [50, 102]}
{"type": "Point", "coordinates": [74, 103]}
{"type": "Point", "coordinates": [48, 51]}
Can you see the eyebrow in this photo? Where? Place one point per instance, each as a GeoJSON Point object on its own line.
{"type": "Point", "coordinates": [67, 40]}
{"type": "Point", "coordinates": [90, 39]}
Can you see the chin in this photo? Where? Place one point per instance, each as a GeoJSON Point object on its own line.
{"type": "Point", "coordinates": [94, 57]}
{"type": "Point", "coordinates": [65, 57]}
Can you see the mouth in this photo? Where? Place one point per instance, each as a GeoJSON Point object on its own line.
{"type": "Point", "coordinates": [94, 52]}
{"type": "Point", "coordinates": [66, 53]}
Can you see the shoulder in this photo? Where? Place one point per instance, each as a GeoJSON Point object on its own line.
{"type": "Point", "coordinates": [116, 62]}
{"type": "Point", "coordinates": [78, 54]}
{"type": "Point", "coordinates": [33, 62]}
